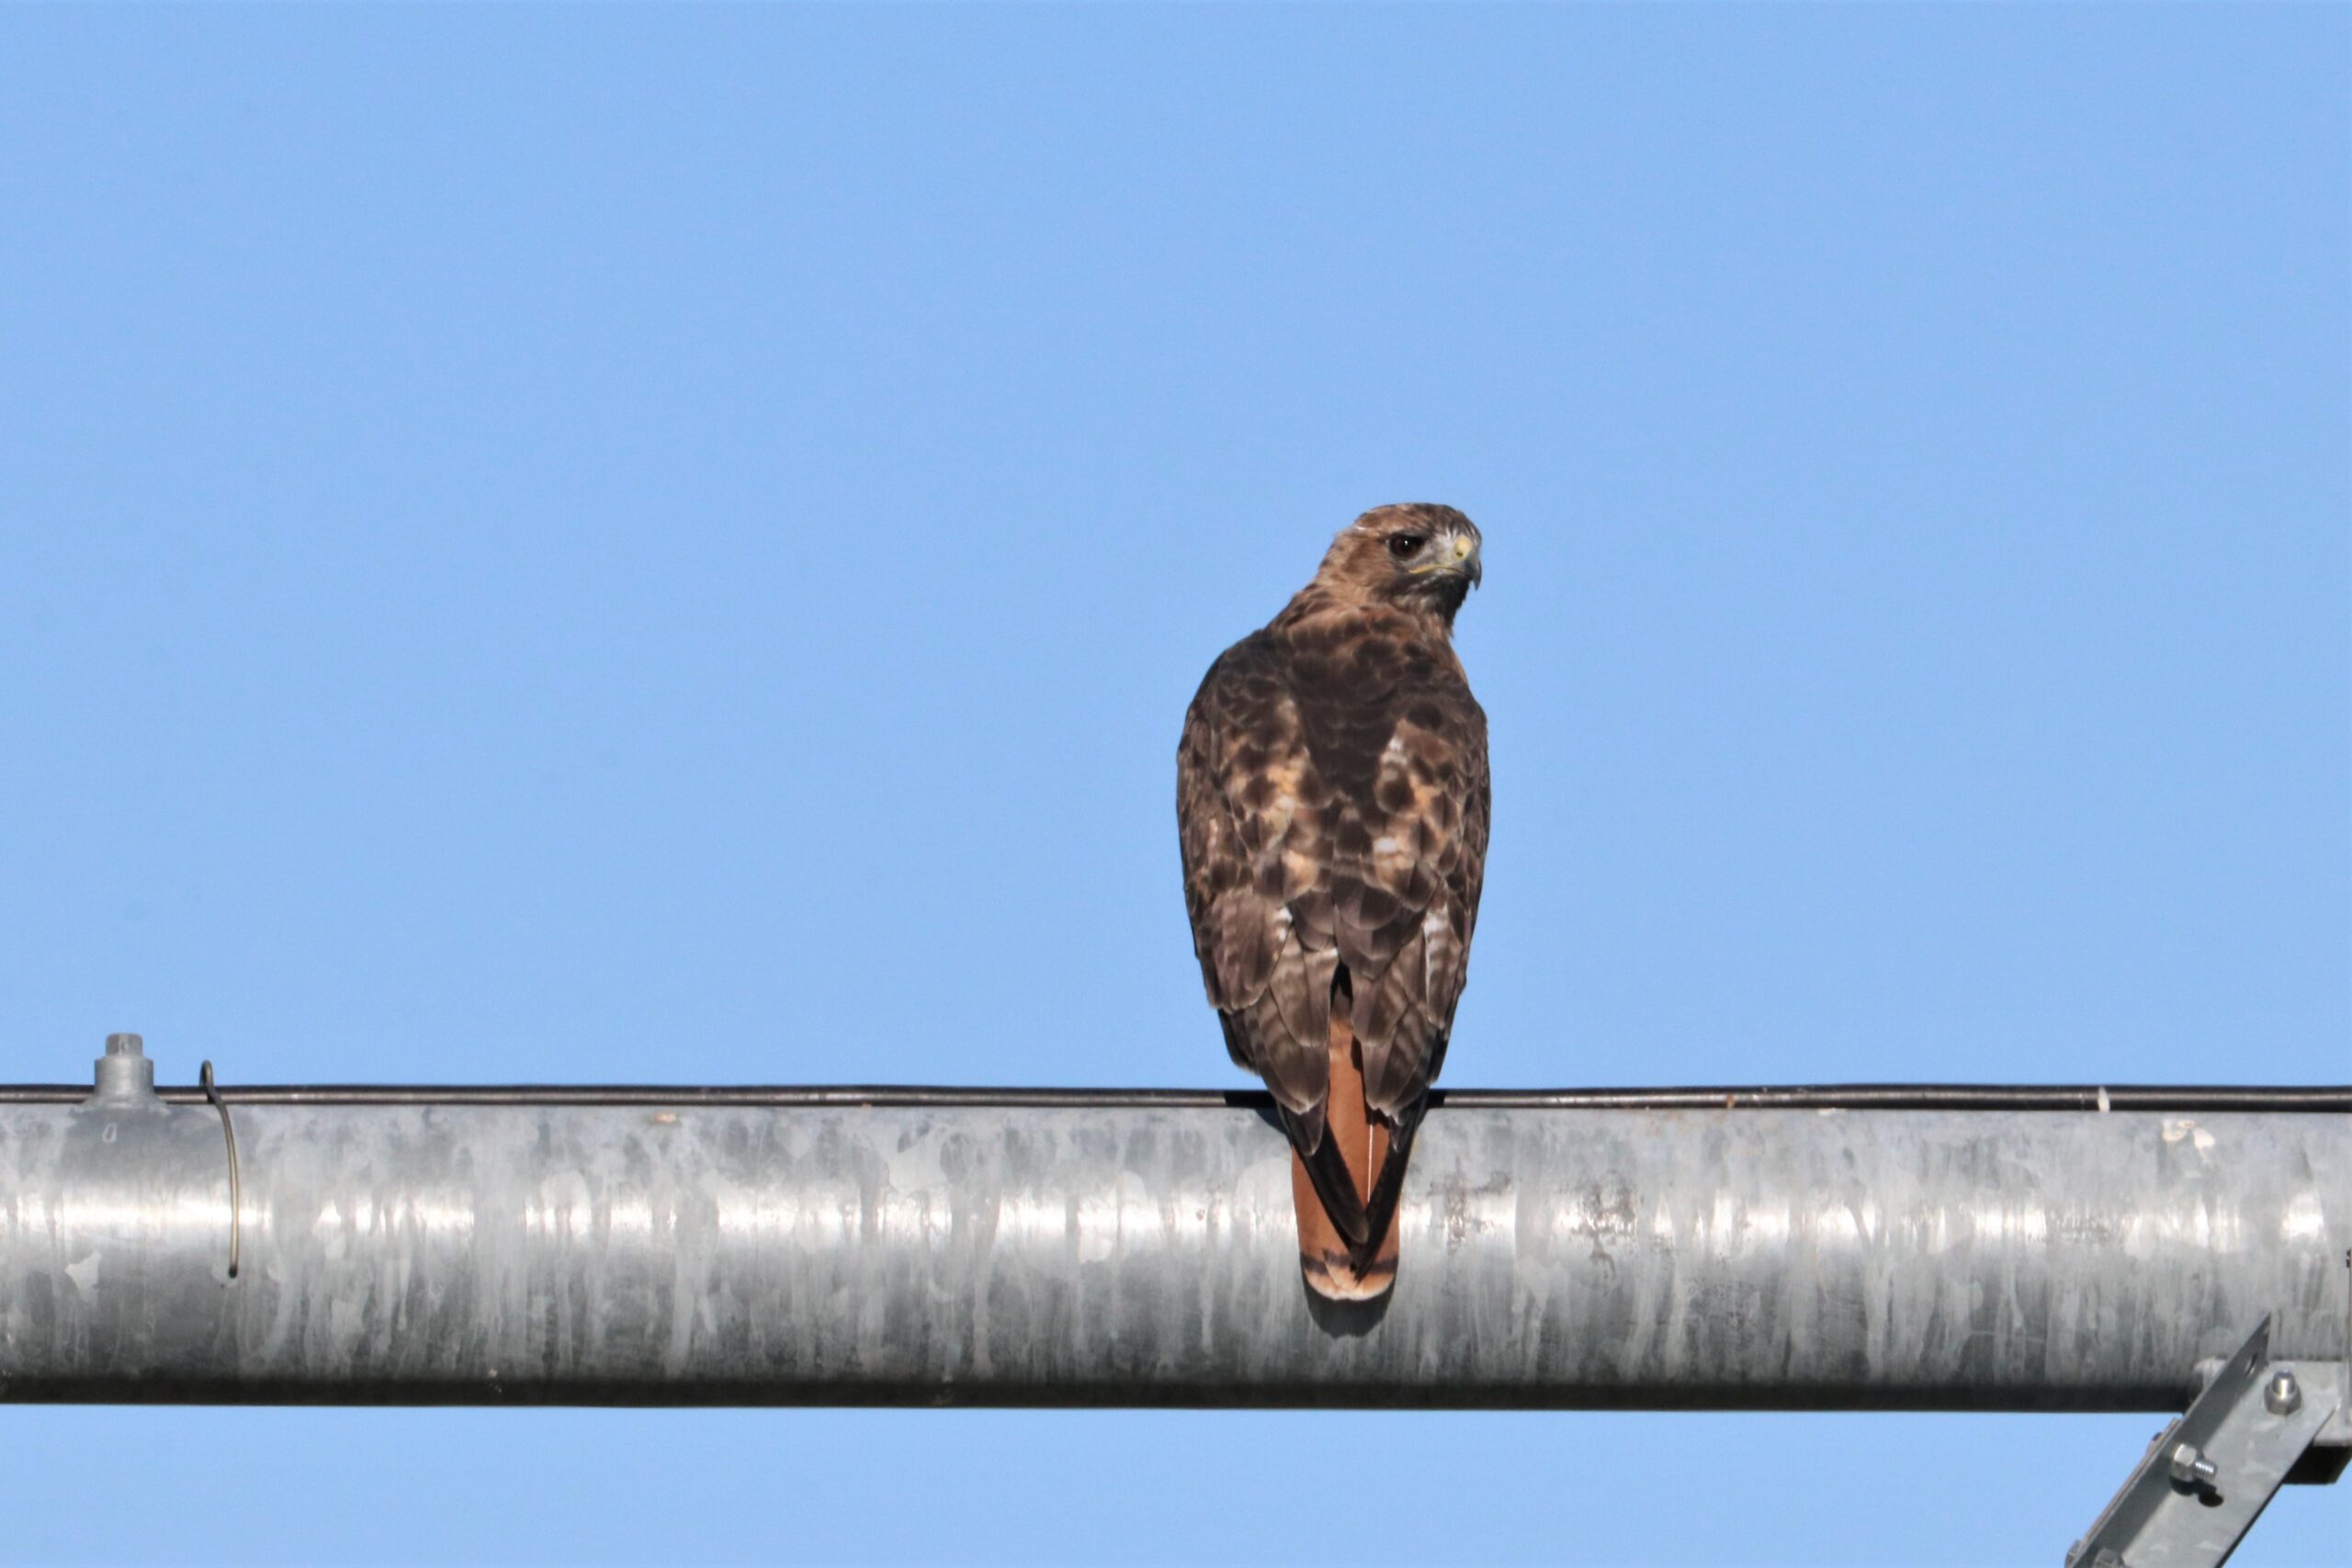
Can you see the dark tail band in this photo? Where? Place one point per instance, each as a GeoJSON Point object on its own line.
{"type": "Point", "coordinates": [1333, 1183]}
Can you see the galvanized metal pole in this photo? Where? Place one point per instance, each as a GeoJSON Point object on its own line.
{"type": "Point", "coordinates": [1134, 1252]}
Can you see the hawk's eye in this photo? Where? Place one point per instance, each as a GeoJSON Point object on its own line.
{"type": "Point", "coordinates": [1404, 546]}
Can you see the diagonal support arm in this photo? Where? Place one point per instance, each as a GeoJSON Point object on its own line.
{"type": "Point", "coordinates": [2209, 1474]}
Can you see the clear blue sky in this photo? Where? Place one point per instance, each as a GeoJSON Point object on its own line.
{"type": "Point", "coordinates": [672, 544]}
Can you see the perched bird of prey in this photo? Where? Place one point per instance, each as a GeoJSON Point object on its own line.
{"type": "Point", "coordinates": [1332, 802]}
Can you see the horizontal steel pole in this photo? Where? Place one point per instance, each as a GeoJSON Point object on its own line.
{"type": "Point", "coordinates": [1139, 1252]}
{"type": "Point", "coordinates": [2192, 1099]}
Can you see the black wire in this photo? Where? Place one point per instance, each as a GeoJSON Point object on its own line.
{"type": "Point", "coordinates": [2185, 1097]}
{"type": "Point", "coordinates": [212, 1092]}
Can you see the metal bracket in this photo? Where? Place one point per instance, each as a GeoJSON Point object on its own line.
{"type": "Point", "coordinates": [2206, 1476]}
{"type": "Point", "coordinates": [125, 1080]}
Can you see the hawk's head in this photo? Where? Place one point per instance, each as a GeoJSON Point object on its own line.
{"type": "Point", "coordinates": [1417, 556]}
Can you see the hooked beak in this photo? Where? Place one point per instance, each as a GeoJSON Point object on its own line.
{"type": "Point", "coordinates": [1465, 558]}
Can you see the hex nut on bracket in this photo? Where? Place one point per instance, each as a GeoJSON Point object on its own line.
{"type": "Point", "coordinates": [2192, 1468]}
{"type": "Point", "coordinates": [2282, 1395]}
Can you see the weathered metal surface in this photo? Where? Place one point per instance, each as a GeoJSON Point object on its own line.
{"type": "Point", "coordinates": [1143, 1254]}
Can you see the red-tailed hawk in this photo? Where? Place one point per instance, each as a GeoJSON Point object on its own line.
{"type": "Point", "coordinates": [1332, 797]}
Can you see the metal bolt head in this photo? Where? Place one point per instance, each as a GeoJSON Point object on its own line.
{"type": "Point", "coordinates": [2192, 1468]}
{"type": "Point", "coordinates": [2282, 1395]}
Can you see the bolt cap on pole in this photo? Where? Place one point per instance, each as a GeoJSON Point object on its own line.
{"type": "Point", "coordinates": [124, 1072]}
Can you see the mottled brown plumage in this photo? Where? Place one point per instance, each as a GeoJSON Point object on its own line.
{"type": "Point", "coordinates": [1332, 803]}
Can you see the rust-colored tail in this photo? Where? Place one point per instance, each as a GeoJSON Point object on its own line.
{"type": "Point", "coordinates": [1333, 1268]}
